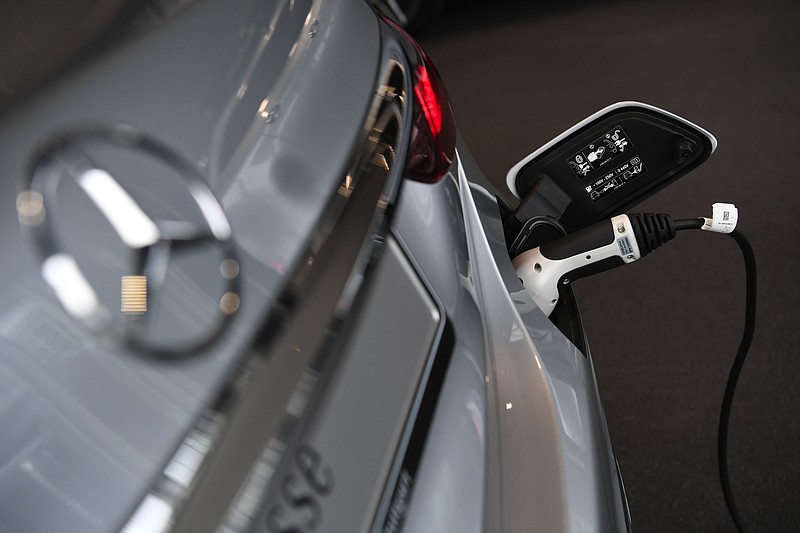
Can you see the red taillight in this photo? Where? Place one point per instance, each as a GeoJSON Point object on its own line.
{"type": "Point", "coordinates": [426, 96]}
{"type": "Point", "coordinates": [433, 135]}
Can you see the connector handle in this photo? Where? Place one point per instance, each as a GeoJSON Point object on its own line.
{"type": "Point", "coordinates": [586, 239]}
{"type": "Point", "coordinates": [591, 250]}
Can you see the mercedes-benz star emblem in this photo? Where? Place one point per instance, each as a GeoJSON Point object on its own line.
{"type": "Point", "coordinates": [134, 244]}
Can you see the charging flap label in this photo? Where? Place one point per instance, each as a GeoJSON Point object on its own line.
{"type": "Point", "coordinates": [616, 178]}
{"type": "Point", "coordinates": [599, 153]}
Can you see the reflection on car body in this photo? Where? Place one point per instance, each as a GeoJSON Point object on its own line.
{"type": "Point", "coordinates": [354, 352]}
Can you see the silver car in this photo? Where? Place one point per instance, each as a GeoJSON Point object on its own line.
{"type": "Point", "coordinates": [254, 281]}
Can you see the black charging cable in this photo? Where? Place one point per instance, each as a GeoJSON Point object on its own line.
{"type": "Point", "coordinates": [738, 362]}
{"type": "Point", "coordinates": [622, 240]}
{"type": "Point", "coordinates": [653, 230]}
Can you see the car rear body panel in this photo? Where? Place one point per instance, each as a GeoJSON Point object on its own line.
{"type": "Point", "coordinates": [537, 422]}
{"type": "Point", "coordinates": [385, 368]}
{"type": "Point", "coordinates": [87, 430]}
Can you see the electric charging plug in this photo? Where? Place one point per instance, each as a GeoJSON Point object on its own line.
{"type": "Point", "coordinates": [608, 244]}
{"type": "Point", "coordinates": [622, 240]}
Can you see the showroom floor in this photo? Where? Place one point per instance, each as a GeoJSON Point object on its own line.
{"type": "Point", "coordinates": [665, 330]}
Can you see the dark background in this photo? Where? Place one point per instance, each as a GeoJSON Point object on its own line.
{"type": "Point", "coordinates": [664, 330]}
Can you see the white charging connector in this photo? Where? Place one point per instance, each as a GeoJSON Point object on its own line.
{"type": "Point", "coordinates": [596, 248]}
{"type": "Point", "coordinates": [608, 244]}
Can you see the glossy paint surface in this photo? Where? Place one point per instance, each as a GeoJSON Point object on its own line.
{"type": "Point", "coordinates": [86, 429]}
{"type": "Point", "coordinates": [520, 416]}
{"type": "Point", "coordinates": [270, 112]}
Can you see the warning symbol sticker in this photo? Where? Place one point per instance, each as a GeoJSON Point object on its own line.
{"type": "Point", "coordinates": [595, 155]}
{"type": "Point", "coordinates": [614, 179]}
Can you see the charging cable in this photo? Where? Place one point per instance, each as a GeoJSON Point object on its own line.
{"type": "Point", "coordinates": [624, 239]}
